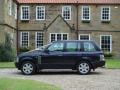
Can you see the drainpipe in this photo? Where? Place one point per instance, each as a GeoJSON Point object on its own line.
{"type": "Point", "coordinates": [17, 29]}
{"type": "Point", "coordinates": [77, 21]}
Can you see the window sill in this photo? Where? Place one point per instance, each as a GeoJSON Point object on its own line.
{"type": "Point", "coordinates": [86, 21]}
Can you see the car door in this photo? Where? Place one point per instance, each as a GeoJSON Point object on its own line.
{"type": "Point", "coordinates": [89, 51]}
{"type": "Point", "coordinates": [71, 54]}
{"type": "Point", "coordinates": [52, 57]}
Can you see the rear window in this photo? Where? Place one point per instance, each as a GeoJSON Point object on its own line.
{"type": "Point", "coordinates": [89, 47]}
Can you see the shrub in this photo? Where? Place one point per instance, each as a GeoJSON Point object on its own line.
{"type": "Point", "coordinates": [24, 49]}
{"type": "Point", "coordinates": [108, 55]}
{"type": "Point", "coordinates": [7, 53]}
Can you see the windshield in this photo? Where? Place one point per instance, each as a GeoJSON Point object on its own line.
{"type": "Point", "coordinates": [43, 47]}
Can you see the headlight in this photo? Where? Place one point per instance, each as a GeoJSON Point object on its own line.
{"type": "Point", "coordinates": [102, 58]}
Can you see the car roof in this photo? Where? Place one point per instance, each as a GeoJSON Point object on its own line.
{"type": "Point", "coordinates": [74, 41]}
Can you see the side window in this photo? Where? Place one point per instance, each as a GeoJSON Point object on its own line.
{"type": "Point", "coordinates": [71, 47]}
{"type": "Point", "coordinates": [89, 47]}
{"type": "Point", "coordinates": [56, 47]}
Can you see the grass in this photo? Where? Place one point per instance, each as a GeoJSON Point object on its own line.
{"type": "Point", "coordinates": [18, 84]}
{"type": "Point", "coordinates": [7, 65]}
{"type": "Point", "coordinates": [113, 63]}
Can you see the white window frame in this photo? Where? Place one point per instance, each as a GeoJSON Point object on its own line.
{"type": "Point", "coordinates": [21, 38]}
{"type": "Point", "coordinates": [37, 12]}
{"type": "Point", "coordinates": [83, 35]}
{"type": "Point", "coordinates": [36, 38]}
{"type": "Point", "coordinates": [10, 7]}
{"type": "Point", "coordinates": [63, 7]}
{"type": "Point", "coordinates": [15, 10]}
{"type": "Point", "coordinates": [102, 13]}
{"type": "Point", "coordinates": [28, 13]}
{"type": "Point", "coordinates": [61, 36]}
{"type": "Point", "coordinates": [110, 41]}
{"type": "Point", "coordinates": [89, 13]}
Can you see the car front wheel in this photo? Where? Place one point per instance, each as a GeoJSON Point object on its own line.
{"type": "Point", "coordinates": [84, 68]}
{"type": "Point", "coordinates": [28, 68]}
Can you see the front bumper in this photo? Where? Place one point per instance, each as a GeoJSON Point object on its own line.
{"type": "Point", "coordinates": [98, 64]}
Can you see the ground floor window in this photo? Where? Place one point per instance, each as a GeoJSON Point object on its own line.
{"type": "Point", "coordinates": [24, 39]}
{"type": "Point", "coordinates": [58, 36]}
{"type": "Point", "coordinates": [38, 39]}
{"type": "Point", "coordinates": [106, 43]}
{"type": "Point", "coordinates": [84, 37]}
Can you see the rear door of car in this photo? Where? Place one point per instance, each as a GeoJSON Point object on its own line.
{"type": "Point", "coordinates": [90, 51]}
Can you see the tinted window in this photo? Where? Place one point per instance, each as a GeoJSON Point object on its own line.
{"type": "Point", "coordinates": [56, 47]}
{"type": "Point", "coordinates": [89, 47]}
{"type": "Point", "coordinates": [71, 46]}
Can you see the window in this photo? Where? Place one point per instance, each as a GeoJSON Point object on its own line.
{"type": "Point", "coordinates": [56, 47]}
{"type": "Point", "coordinates": [106, 43]}
{"type": "Point", "coordinates": [24, 39]}
{"type": "Point", "coordinates": [40, 13]}
{"type": "Point", "coordinates": [105, 13]}
{"type": "Point", "coordinates": [10, 7]}
{"type": "Point", "coordinates": [58, 36]}
{"type": "Point", "coordinates": [66, 12]}
{"type": "Point", "coordinates": [15, 9]}
{"type": "Point", "coordinates": [84, 37]}
{"type": "Point", "coordinates": [71, 46]}
{"type": "Point", "coordinates": [25, 12]}
{"type": "Point", "coordinates": [85, 13]}
{"type": "Point", "coordinates": [39, 39]}
{"type": "Point", "coordinates": [89, 47]}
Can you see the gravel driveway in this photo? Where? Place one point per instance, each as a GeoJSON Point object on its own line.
{"type": "Point", "coordinates": [101, 79]}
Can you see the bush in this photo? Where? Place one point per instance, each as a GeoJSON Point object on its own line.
{"type": "Point", "coordinates": [7, 53]}
{"type": "Point", "coordinates": [108, 55]}
{"type": "Point", "coordinates": [24, 49]}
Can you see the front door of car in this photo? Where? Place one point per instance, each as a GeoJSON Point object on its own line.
{"type": "Point", "coordinates": [53, 56]}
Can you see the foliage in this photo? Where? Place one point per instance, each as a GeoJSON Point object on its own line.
{"type": "Point", "coordinates": [24, 49]}
{"type": "Point", "coordinates": [7, 53]}
{"type": "Point", "coordinates": [108, 55]}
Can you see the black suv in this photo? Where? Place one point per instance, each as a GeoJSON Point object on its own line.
{"type": "Point", "coordinates": [76, 55]}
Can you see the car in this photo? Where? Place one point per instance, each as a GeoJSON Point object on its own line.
{"type": "Point", "coordinates": [80, 55]}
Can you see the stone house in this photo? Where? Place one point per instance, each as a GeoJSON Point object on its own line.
{"type": "Point", "coordinates": [40, 22]}
{"type": "Point", "coordinates": [8, 17]}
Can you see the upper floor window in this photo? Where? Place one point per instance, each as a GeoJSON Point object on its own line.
{"type": "Point", "coordinates": [85, 13]}
{"type": "Point", "coordinates": [66, 12]}
{"type": "Point", "coordinates": [24, 39]}
{"type": "Point", "coordinates": [40, 13]}
{"type": "Point", "coordinates": [105, 13]}
{"type": "Point", "coordinates": [25, 12]}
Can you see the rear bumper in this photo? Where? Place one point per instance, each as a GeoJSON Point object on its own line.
{"type": "Point", "coordinates": [17, 65]}
{"type": "Point", "coordinates": [98, 64]}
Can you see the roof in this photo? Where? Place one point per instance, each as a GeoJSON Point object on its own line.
{"type": "Point", "coordinates": [70, 1]}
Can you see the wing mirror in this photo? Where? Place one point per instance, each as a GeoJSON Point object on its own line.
{"type": "Point", "coordinates": [46, 51]}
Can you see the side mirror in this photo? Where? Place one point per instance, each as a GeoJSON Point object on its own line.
{"type": "Point", "coordinates": [46, 51]}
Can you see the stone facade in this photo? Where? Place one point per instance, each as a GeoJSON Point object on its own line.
{"type": "Point", "coordinates": [54, 23]}
{"type": "Point", "coordinates": [7, 21]}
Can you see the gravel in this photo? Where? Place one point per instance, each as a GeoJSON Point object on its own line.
{"type": "Point", "coordinates": [101, 79]}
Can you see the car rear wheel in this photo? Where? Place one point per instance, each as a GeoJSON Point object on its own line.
{"type": "Point", "coordinates": [28, 68]}
{"type": "Point", "coordinates": [84, 68]}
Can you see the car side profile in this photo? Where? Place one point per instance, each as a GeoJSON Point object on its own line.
{"type": "Point", "coordinates": [75, 54]}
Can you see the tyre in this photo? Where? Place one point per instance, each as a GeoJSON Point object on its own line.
{"type": "Point", "coordinates": [83, 68]}
{"type": "Point", "coordinates": [28, 68]}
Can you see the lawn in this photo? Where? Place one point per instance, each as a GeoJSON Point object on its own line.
{"type": "Point", "coordinates": [113, 63]}
{"type": "Point", "coordinates": [18, 84]}
{"type": "Point", "coordinates": [7, 65]}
